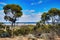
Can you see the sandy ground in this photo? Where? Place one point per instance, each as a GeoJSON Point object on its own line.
{"type": "Point", "coordinates": [17, 38]}
{"type": "Point", "coordinates": [22, 38]}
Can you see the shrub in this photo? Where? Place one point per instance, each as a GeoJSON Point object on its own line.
{"type": "Point", "coordinates": [22, 31]}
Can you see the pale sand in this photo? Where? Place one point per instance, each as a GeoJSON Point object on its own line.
{"type": "Point", "coordinates": [22, 38]}
{"type": "Point", "coordinates": [17, 38]}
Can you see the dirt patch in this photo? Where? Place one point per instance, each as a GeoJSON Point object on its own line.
{"type": "Point", "coordinates": [17, 38]}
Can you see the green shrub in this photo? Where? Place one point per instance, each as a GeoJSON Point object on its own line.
{"type": "Point", "coordinates": [22, 31]}
{"type": "Point", "coordinates": [4, 34]}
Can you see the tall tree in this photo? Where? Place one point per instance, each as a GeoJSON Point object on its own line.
{"type": "Point", "coordinates": [12, 12]}
{"type": "Point", "coordinates": [59, 16]}
{"type": "Point", "coordinates": [53, 12]}
{"type": "Point", "coordinates": [45, 17]}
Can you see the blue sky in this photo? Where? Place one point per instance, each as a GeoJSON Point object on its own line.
{"type": "Point", "coordinates": [32, 9]}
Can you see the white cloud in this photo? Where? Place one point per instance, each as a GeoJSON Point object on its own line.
{"type": "Point", "coordinates": [3, 3]}
{"type": "Point", "coordinates": [30, 18]}
{"type": "Point", "coordinates": [30, 11]}
{"type": "Point", "coordinates": [34, 17]}
{"type": "Point", "coordinates": [35, 3]}
{"type": "Point", "coordinates": [2, 16]}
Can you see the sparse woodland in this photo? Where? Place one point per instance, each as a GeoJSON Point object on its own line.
{"type": "Point", "coordinates": [41, 27]}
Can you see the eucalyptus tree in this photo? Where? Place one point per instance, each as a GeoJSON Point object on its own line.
{"type": "Point", "coordinates": [53, 12]}
{"type": "Point", "coordinates": [12, 12]}
{"type": "Point", "coordinates": [59, 16]}
{"type": "Point", "coordinates": [45, 17]}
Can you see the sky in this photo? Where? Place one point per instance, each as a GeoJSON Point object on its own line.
{"type": "Point", "coordinates": [32, 9]}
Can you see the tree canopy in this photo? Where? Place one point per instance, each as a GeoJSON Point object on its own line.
{"type": "Point", "coordinates": [51, 15]}
{"type": "Point", "coordinates": [14, 11]}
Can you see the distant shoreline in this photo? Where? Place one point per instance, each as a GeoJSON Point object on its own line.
{"type": "Point", "coordinates": [21, 23]}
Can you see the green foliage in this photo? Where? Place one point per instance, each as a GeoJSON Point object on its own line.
{"type": "Point", "coordinates": [1, 31]}
{"type": "Point", "coordinates": [43, 29]}
{"type": "Point", "coordinates": [4, 34]}
{"type": "Point", "coordinates": [1, 25]}
{"type": "Point", "coordinates": [53, 11]}
{"type": "Point", "coordinates": [16, 11]}
{"type": "Point", "coordinates": [31, 29]}
{"type": "Point", "coordinates": [22, 31]}
{"type": "Point", "coordinates": [45, 17]}
{"type": "Point", "coordinates": [51, 14]}
{"type": "Point", "coordinates": [9, 31]}
{"type": "Point", "coordinates": [15, 8]}
{"type": "Point", "coordinates": [38, 24]}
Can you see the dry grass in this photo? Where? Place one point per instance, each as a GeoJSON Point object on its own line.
{"type": "Point", "coordinates": [17, 38]}
{"type": "Point", "coordinates": [22, 38]}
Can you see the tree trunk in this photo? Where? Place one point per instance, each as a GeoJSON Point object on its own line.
{"type": "Point", "coordinates": [43, 22]}
{"type": "Point", "coordinates": [12, 30]}
{"type": "Point", "coordinates": [12, 24]}
{"type": "Point", "coordinates": [59, 19]}
{"type": "Point", "coordinates": [53, 20]}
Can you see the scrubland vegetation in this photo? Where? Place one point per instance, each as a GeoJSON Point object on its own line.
{"type": "Point", "coordinates": [38, 31]}
{"type": "Point", "coordinates": [41, 28]}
